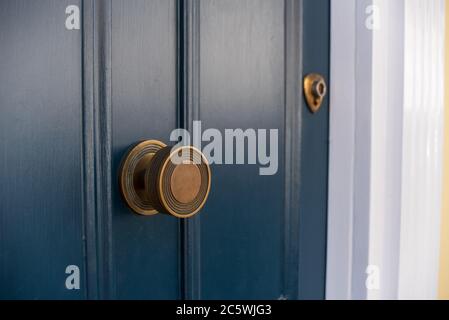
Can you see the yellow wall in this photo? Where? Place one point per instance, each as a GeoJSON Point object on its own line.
{"type": "Point", "coordinates": [444, 256]}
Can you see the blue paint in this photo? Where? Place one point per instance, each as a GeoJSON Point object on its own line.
{"type": "Point", "coordinates": [72, 102]}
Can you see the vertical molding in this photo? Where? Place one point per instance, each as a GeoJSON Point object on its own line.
{"type": "Point", "coordinates": [102, 151]}
{"type": "Point", "coordinates": [349, 150]}
{"type": "Point", "coordinates": [293, 106]}
{"type": "Point", "coordinates": [422, 149]}
{"type": "Point", "coordinates": [189, 111]}
{"type": "Point", "coordinates": [341, 150]}
{"type": "Point", "coordinates": [88, 159]}
{"type": "Point", "coordinates": [96, 160]}
{"type": "Point", "coordinates": [362, 151]}
{"type": "Point", "coordinates": [444, 250]}
{"type": "Point", "coordinates": [386, 147]}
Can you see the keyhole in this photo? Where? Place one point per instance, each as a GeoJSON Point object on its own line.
{"type": "Point", "coordinates": [319, 89]}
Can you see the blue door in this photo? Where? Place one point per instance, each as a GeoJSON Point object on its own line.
{"type": "Point", "coordinates": [78, 91]}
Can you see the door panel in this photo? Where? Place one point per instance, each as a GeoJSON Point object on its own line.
{"type": "Point", "coordinates": [314, 157]}
{"type": "Point", "coordinates": [41, 226]}
{"type": "Point", "coordinates": [242, 86]}
{"type": "Point", "coordinates": [145, 252]}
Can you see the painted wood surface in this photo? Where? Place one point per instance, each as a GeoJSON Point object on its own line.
{"type": "Point", "coordinates": [41, 226]}
{"type": "Point", "coordinates": [145, 250]}
{"type": "Point", "coordinates": [137, 70]}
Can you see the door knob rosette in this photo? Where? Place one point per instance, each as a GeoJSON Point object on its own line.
{"type": "Point", "coordinates": [156, 178]}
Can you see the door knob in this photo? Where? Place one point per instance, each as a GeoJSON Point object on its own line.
{"type": "Point", "coordinates": [155, 178]}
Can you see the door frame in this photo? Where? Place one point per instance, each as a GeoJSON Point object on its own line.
{"type": "Point", "coordinates": [385, 184]}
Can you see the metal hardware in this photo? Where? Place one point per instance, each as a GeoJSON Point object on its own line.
{"type": "Point", "coordinates": [154, 178]}
{"type": "Point", "coordinates": [315, 90]}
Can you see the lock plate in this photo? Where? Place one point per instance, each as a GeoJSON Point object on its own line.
{"type": "Point", "coordinates": [315, 90]}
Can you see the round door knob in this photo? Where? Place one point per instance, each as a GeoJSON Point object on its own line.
{"type": "Point", "coordinates": [155, 178]}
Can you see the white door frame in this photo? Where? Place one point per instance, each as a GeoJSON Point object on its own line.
{"type": "Point", "coordinates": [386, 138]}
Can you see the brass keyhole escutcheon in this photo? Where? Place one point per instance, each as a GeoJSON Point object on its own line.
{"type": "Point", "coordinates": [315, 90]}
{"type": "Point", "coordinates": [155, 178]}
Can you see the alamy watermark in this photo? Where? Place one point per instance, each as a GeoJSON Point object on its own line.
{"type": "Point", "coordinates": [72, 281]}
{"type": "Point", "coordinates": [372, 277]}
{"type": "Point", "coordinates": [238, 146]}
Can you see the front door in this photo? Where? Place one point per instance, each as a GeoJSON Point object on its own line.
{"type": "Point", "coordinates": [79, 91]}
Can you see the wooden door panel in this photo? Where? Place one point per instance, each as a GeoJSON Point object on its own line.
{"type": "Point", "coordinates": [145, 250]}
{"type": "Point", "coordinates": [41, 228]}
{"type": "Point", "coordinates": [242, 86]}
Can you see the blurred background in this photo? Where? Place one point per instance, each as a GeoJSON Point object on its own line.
{"type": "Point", "coordinates": [388, 235]}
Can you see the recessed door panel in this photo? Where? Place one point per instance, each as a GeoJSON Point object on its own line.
{"type": "Point", "coordinates": [146, 250]}
{"type": "Point", "coordinates": [242, 86]}
{"type": "Point", "coordinates": [41, 228]}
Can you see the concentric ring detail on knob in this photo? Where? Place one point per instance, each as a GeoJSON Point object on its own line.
{"type": "Point", "coordinates": [179, 194]}
{"type": "Point", "coordinates": [132, 173]}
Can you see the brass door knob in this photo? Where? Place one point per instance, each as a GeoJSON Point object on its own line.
{"type": "Point", "coordinates": [155, 178]}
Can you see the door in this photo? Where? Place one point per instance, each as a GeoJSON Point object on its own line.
{"type": "Point", "coordinates": [75, 99]}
